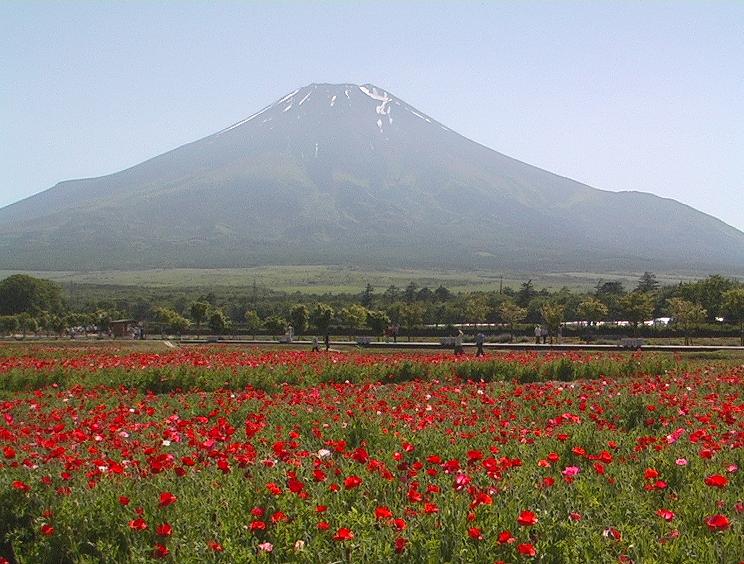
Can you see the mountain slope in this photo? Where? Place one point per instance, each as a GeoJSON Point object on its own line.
{"type": "Point", "coordinates": [351, 174]}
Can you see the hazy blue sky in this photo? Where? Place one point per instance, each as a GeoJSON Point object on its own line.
{"type": "Point", "coordinates": [621, 95]}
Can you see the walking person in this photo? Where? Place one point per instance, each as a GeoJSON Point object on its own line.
{"type": "Point", "coordinates": [544, 334]}
{"type": "Point", "coordinates": [316, 348]}
{"type": "Point", "coordinates": [458, 343]}
{"type": "Point", "coordinates": [327, 341]}
{"type": "Point", "coordinates": [538, 334]}
{"type": "Point", "coordinates": [479, 339]}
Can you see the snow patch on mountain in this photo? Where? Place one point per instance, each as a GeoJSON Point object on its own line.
{"type": "Point", "coordinates": [305, 98]}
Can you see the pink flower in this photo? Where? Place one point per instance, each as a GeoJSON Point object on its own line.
{"type": "Point", "coordinates": [675, 436]}
{"type": "Point", "coordinates": [681, 462]}
{"type": "Point", "coordinates": [571, 471]}
{"type": "Point", "coordinates": [266, 546]}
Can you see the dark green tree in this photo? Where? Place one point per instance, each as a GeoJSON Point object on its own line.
{"type": "Point", "coordinates": [686, 315]}
{"type": "Point", "coordinates": [511, 313]}
{"type": "Point", "coordinates": [275, 324]}
{"type": "Point", "coordinates": [321, 317]}
{"type": "Point", "coordinates": [252, 322]}
{"type": "Point", "coordinates": [647, 283]}
{"type": "Point", "coordinates": [378, 321]}
{"type": "Point", "coordinates": [199, 312]}
{"type": "Point", "coordinates": [411, 316]}
{"type": "Point", "coordinates": [218, 322]}
{"type": "Point", "coordinates": [409, 294]}
{"type": "Point", "coordinates": [442, 294]}
{"type": "Point", "coordinates": [299, 316]}
{"type": "Point", "coordinates": [25, 294]}
{"type": "Point", "coordinates": [367, 296]}
{"type": "Point", "coordinates": [636, 307]}
{"type": "Point", "coordinates": [733, 308]}
{"type": "Point", "coordinates": [525, 294]}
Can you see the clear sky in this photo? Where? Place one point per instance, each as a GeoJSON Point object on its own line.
{"type": "Point", "coordinates": [621, 95]}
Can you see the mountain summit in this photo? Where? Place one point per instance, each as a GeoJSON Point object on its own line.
{"type": "Point", "coordinates": [351, 174]}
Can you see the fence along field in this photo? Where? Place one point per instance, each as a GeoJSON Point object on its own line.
{"type": "Point", "coordinates": [220, 454]}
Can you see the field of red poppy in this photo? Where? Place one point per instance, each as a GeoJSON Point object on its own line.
{"type": "Point", "coordinates": [212, 454]}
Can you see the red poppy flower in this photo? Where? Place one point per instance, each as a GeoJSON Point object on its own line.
{"type": "Point", "coordinates": [526, 549]}
{"type": "Point", "coordinates": [352, 482]}
{"type": "Point", "coordinates": [215, 546]}
{"type": "Point", "coordinates": [505, 537]}
{"type": "Point", "coordinates": [47, 530]}
{"type": "Point", "coordinates": [257, 526]}
{"type": "Point", "coordinates": [475, 533]}
{"type": "Point", "coordinates": [400, 524]}
{"type": "Point", "coordinates": [650, 474]}
{"type": "Point", "coordinates": [717, 522]}
{"type": "Point", "coordinates": [138, 524]}
{"type": "Point", "coordinates": [343, 534]}
{"type": "Point", "coordinates": [167, 498]}
{"type": "Point", "coordinates": [164, 530]}
{"type": "Point", "coordinates": [123, 500]}
{"type": "Point", "coordinates": [716, 481]}
{"type": "Point", "coordinates": [23, 486]}
{"type": "Point", "coordinates": [383, 512]}
{"type": "Point", "coordinates": [527, 519]}
{"type": "Point", "coordinates": [323, 526]}
{"type": "Point", "coordinates": [279, 517]}
{"type": "Point", "coordinates": [400, 545]}
{"type": "Point", "coordinates": [294, 485]}
{"type": "Point", "coordinates": [666, 514]}
{"type": "Point", "coordinates": [160, 551]}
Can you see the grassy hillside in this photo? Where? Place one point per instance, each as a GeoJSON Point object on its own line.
{"type": "Point", "coordinates": [338, 279]}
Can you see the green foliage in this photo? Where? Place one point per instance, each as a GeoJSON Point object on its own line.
{"type": "Point", "coordinates": [378, 321]}
{"type": "Point", "coordinates": [253, 322]}
{"type": "Point", "coordinates": [511, 313]}
{"type": "Point", "coordinates": [275, 325]}
{"type": "Point", "coordinates": [647, 283]}
{"type": "Point", "coordinates": [592, 310]}
{"type": "Point", "coordinates": [637, 307]}
{"type": "Point", "coordinates": [218, 322]}
{"type": "Point", "coordinates": [686, 314]}
{"type": "Point", "coordinates": [733, 306]}
{"type": "Point", "coordinates": [8, 324]}
{"type": "Point", "coordinates": [411, 315]}
{"type": "Point", "coordinates": [552, 314]}
{"type": "Point", "coordinates": [321, 317]}
{"type": "Point", "coordinates": [299, 316]}
{"type": "Point", "coordinates": [199, 312]}
{"type": "Point", "coordinates": [25, 294]}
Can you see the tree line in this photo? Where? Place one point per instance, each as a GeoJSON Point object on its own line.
{"type": "Point", "coordinates": [31, 305]}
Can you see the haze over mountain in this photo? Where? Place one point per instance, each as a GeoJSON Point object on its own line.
{"type": "Point", "coordinates": [348, 174]}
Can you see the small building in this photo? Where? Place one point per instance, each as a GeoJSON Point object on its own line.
{"type": "Point", "coordinates": [122, 327]}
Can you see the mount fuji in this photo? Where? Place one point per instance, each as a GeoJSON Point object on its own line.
{"type": "Point", "coordinates": [351, 174]}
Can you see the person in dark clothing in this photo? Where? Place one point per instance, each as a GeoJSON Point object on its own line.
{"type": "Point", "coordinates": [479, 339]}
{"type": "Point", "coordinates": [327, 341]}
